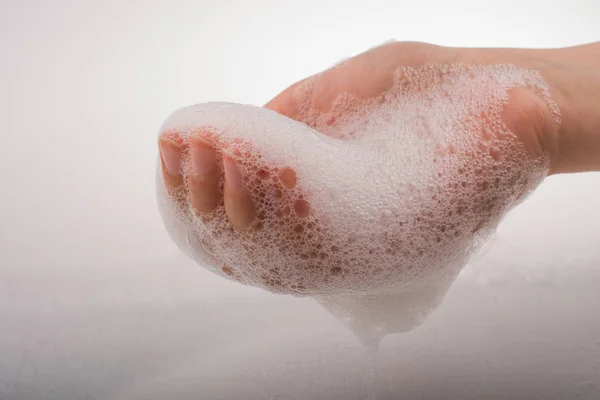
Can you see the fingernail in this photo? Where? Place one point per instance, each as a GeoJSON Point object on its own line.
{"type": "Point", "coordinates": [233, 176]}
{"type": "Point", "coordinates": [204, 158]}
{"type": "Point", "coordinates": [171, 155]}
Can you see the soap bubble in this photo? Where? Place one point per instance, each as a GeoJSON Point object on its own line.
{"type": "Point", "coordinates": [390, 195]}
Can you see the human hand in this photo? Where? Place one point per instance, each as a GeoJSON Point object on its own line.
{"type": "Point", "coordinates": [327, 102]}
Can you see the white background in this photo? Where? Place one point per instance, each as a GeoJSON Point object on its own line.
{"type": "Point", "coordinates": [96, 302]}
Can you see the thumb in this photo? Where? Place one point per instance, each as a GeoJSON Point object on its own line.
{"type": "Point", "coordinates": [285, 103]}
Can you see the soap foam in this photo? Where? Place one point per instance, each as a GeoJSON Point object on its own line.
{"type": "Point", "coordinates": [402, 189]}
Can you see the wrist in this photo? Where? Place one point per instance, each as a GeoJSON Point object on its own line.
{"type": "Point", "coordinates": [574, 77]}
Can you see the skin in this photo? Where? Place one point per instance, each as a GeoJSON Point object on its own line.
{"type": "Point", "coordinates": [573, 75]}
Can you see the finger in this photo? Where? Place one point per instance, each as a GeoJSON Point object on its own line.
{"type": "Point", "coordinates": [170, 156]}
{"type": "Point", "coordinates": [288, 178]}
{"type": "Point", "coordinates": [238, 203]}
{"type": "Point", "coordinates": [285, 103]}
{"type": "Point", "coordinates": [203, 182]}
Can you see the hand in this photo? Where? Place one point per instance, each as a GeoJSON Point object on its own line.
{"type": "Point", "coordinates": [530, 117]}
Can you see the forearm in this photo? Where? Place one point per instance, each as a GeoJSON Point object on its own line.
{"type": "Point", "coordinates": [574, 74]}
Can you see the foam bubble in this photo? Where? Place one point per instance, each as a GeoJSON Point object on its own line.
{"type": "Point", "coordinates": [402, 188]}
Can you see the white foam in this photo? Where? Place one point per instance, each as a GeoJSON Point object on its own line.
{"type": "Point", "coordinates": [402, 189]}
